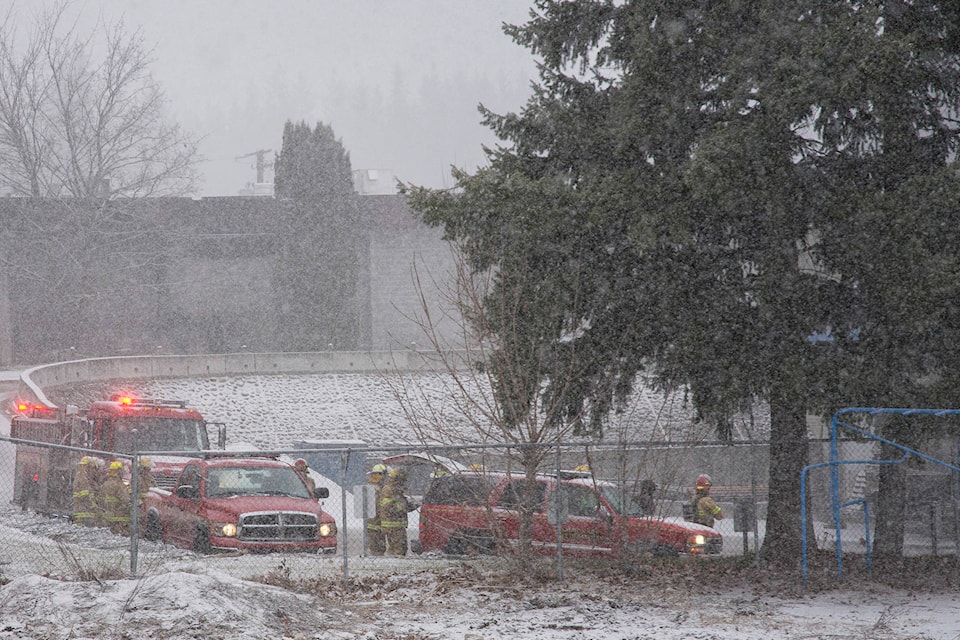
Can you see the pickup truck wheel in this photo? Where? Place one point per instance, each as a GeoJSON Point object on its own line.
{"type": "Point", "coordinates": [201, 540]}
{"type": "Point", "coordinates": [152, 529]}
{"type": "Point", "coordinates": [662, 550]}
{"type": "Point", "coordinates": [456, 545]}
{"type": "Point", "coordinates": [464, 542]}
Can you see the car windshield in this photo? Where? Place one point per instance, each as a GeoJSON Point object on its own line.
{"type": "Point", "coordinates": [225, 482]}
{"type": "Point", "coordinates": [457, 489]}
{"type": "Point", "coordinates": [622, 501]}
{"type": "Point", "coordinates": [159, 434]}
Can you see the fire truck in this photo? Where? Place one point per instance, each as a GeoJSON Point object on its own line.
{"type": "Point", "coordinates": [51, 440]}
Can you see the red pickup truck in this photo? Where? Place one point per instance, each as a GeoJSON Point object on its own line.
{"type": "Point", "coordinates": [479, 512]}
{"type": "Point", "coordinates": [254, 504]}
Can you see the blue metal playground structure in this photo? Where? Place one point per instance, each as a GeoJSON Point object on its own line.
{"type": "Point", "coordinates": [834, 464]}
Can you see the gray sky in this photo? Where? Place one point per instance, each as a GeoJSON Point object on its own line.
{"type": "Point", "coordinates": [398, 80]}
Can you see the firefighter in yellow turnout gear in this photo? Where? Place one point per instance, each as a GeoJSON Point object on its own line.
{"type": "Point", "coordinates": [394, 507]}
{"type": "Point", "coordinates": [145, 480]}
{"type": "Point", "coordinates": [706, 508]}
{"type": "Point", "coordinates": [376, 543]}
{"type": "Point", "coordinates": [86, 486]}
{"type": "Point", "coordinates": [116, 500]}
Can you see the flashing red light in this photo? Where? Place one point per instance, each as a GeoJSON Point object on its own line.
{"type": "Point", "coordinates": [33, 410]}
{"type": "Point", "coordinates": [125, 400]}
{"type": "Point", "coordinates": [36, 477]}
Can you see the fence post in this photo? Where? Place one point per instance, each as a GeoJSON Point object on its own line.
{"type": "Point", "coordinates": [342, 533]}
{"type": "Point", "coordinates": [559, 494]}
{"type": "Point", "coordinates": [134, 512]}
{"type": "Point", "coordinates": [934, 525]}
{"type": "Point", "coordinates": [753, 500]}
{"type": "Point", "coordinates": [364, 509]}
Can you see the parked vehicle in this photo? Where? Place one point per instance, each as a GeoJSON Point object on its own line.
{"type": "Point", "coordinates": [43, 479]}
{"type": "Point", "coordinates": [421, 468]}
{"type": "Point", "coordinates": [228, 503]}
{"type": "Point", "coordinates": [480, 513]}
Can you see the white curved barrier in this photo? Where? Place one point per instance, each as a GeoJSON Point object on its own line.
{"type": "Point", "coordinates": [34, 380]}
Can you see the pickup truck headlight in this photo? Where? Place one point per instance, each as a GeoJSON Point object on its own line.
{"type": "Point", "coordinates": [696, 543]}
{"type": "Point", "coordinates": [224, 529]}
{"type": "Point", "coordinates": [328, 529]}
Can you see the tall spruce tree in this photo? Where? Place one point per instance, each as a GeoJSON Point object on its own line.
{"type": "Point", "coordinates": [697, 188]}
{"type": "Point", "coordinates": [321, 243]}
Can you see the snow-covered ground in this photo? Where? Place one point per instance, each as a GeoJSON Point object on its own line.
{"type": "Point", "coordinates": [180, 595]}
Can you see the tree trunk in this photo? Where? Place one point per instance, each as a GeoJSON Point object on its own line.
{"type": "Point", "coordinates": [888, 539]}
{"type": "Point", "coordinates": [528, 506]}
{"type": "Point", "coordinates": [788, 457]}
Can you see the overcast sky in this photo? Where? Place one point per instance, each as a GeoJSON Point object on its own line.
{"type": "Point", "coordinates": [398, 80]}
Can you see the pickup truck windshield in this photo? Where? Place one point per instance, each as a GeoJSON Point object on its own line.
{"type": "Point", "coordinates": [617, 497]}
{"type": "Point", "coordinates": [159, 434]}
{"type": "Point", "coordinates": [225, 482]}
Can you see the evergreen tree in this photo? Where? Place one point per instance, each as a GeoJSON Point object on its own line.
{"type": "Point", "coordinates": [322, 243]}
{"type": "Point", "coordinates": [696, 189]}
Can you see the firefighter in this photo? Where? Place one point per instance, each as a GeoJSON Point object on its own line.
{"type": "Point", "coordinates": [376, 543]}
{"type": "Point", "coordinates": [394, 507]}
{"type": "Point", "coordinates": [301, 466]}
{"type": "Point", "coordinates": [706, 510]}
{"type": "Point", "coordinates": [86, 486]}
{"type": "Point", "coordinates": [145, 480]}
{"type": "Point", "coordinates": [645, 498]}
{"type": "Point", "coordinates": [116, 500]}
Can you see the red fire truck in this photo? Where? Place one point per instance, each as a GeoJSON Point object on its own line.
{"type": "Point", "coordinates": [50, 443]}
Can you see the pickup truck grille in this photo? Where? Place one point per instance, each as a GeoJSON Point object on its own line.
{"type": "Point", "coordinates": [714, 546]}
{"type": "Point", "coordinates": [275, 526]}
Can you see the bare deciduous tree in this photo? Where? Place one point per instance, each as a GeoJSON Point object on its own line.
{"type": "Point", "coordinates": [72, 124]}
{"type": "Point", "coordinates": [489, 378]}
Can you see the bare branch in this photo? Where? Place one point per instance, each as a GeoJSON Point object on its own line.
{"type": "Point", "coordinates": [70, 125]}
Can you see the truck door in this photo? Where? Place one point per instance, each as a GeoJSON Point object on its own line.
{"type": "Point", "coordinates": [180, 510]}
{"type": "Point", "coordinates": [507, 513]}
{"type": "Point", "coordinates": [588, 528]}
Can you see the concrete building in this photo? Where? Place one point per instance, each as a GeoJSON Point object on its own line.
{"type": "Point", "coordinates": [180, 275]}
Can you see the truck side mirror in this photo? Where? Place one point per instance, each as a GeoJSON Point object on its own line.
{"type": "Point", "coordinates": [321, 493]}
{"type": "Point", "coordinates": [188, 492]}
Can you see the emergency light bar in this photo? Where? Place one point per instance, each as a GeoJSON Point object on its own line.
{"type": "Point", "coordinates": [150, 402]}
{"type": "Point", "coordinates": [34, 410]}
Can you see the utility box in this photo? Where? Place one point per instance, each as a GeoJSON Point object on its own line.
{"type": "Point", "coordinates": [327, 457]}
{"type": "Point", "coordinates": [744, 515]}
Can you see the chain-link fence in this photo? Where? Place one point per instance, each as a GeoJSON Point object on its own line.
{"type": "Point", "coordinates": [922, 507]}
{"type": "Point", "coordinates": [240, 511]}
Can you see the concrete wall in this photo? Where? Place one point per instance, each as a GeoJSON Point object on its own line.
{"type": "Point", "coordinates": [35, 380]}
{"type": "Point", "coordinates": [404, 265]}
{"type": "Point", "coordinates": [194, 276]}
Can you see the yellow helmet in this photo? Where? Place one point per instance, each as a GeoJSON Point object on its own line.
{"type": "Point", "coordinates": [144, 462]}
{"type": "Point", "coordinates": [115, 467]}
{"type": "Point", "coordinates": [379, 468]}
{"type": "Point", "coordinates": [86, 460]}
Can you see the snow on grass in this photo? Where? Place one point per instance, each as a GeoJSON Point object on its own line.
{"type": "Point", "coordinates": [181, 595]}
